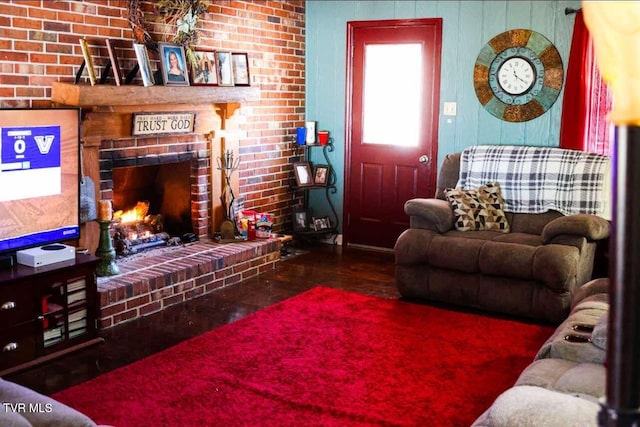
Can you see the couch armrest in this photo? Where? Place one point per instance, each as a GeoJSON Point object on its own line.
{"type": "Point", "coordinates": [433, 214]}
{"type": "Point", "coordinates": [592, 227]}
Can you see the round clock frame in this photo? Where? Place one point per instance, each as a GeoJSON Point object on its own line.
{"type": "Point", "coordinates": [518, 75]}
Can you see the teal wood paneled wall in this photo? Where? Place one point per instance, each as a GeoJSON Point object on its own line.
{"type": "Point", "coordinates": [467, 26]}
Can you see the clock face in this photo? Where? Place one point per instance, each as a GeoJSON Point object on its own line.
{"type": "Point", "coordinates": [518, 75]}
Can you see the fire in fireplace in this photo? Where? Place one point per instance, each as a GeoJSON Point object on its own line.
{"type": "Point", "coordinates": [152, 206]}
{"type": "Point", "coordinates": [135, 230]}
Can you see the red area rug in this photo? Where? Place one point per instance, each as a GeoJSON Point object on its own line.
{"type": "Point", "coordinates": [323, 358]}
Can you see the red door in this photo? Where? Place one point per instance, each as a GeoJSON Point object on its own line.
{"type": "Point", "coordinates": [393, 96]}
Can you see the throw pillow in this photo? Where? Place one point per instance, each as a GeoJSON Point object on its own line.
{"type": "Point", "coordinates": [478, 209]}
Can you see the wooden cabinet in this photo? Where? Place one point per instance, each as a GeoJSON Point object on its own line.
{"type": "Point", "coordinates": [46, 311]}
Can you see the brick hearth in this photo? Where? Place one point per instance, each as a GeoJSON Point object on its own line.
{"type": "Point", "coordinates": [153, 281]}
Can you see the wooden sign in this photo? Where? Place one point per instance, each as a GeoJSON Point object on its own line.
{"type": "Point", "coordinates": [162, 123]}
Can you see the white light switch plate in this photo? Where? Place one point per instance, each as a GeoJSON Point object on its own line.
{"type": "Point", "coordinates": [450, 108]}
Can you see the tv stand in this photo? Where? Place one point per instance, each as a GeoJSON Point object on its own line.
{"type": "Point", "coordinates": [46, 312]}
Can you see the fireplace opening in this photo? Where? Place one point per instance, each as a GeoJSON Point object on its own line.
{"type": "Point", "coordinates": [152, 206]}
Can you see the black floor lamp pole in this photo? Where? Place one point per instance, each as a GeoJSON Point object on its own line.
{"type": "Point", "coordinates": [622, 405]}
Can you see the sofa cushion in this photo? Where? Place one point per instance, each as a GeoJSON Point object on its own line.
{"type": "Point", "coordinates": [478, 209]}
{"type": "Point", "coordinates": [531, 223]}
{"type": "Point", "coordinates": [520, 238]}
{"type": "Point", "coordinates": [455, 253]}
{"type": "Point", "coordinates": [13, 419]}
{"type": "Point", "coordinates": [587, 380]}
{"type": "Point", "coordinates": [507, 260]}
{"type": "Point", "coordinates": [537, 406]}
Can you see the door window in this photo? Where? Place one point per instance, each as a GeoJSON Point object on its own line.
{"type": "Point", "coordinates": [392, 94]}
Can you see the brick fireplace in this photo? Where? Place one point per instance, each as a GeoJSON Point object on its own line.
{"type": "Point", "coordinates": [170, 158]}
{"type": "Point", "coordinates": [148, 283]}
{"type": "Point", "coordinates": [154, 280]}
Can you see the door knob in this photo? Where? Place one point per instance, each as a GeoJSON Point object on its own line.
{"type": "Point", "coordinates": [9, 305]}
{"type": "Point", "coordinates": [423, 159]}
{"type": "Point", "coordinates": [12, 346]}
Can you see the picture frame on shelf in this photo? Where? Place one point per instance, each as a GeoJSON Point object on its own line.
{"type": "Point", "coordinates": [225, 68]}
{"type": "Point", "coordinates": [300, 221]}
{"type": "Point", "coordinates": [321, 175]}
{"type": "Point", "coordinates": [115, 64]}
{"type": "Point", "coordinates": [205, 71]}
{"type": "Point", "coordinates": [173, 64]}
{"type": "Point", "coordinates": [302, 173]}
{"type": "Point", "coordinates": [144, 64]}
{"type": "Point", "coordinates": [88, 61]}
{"type": "Point", "coordinates": [321, 223]}
{"type": "Point", "coordinates": [240, 65]}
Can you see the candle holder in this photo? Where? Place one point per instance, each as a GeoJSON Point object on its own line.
{"type": "Point", "coordinates": [107, 265]}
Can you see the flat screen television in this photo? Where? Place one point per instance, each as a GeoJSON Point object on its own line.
{"type": "Point", "coordinates": [39, 177]}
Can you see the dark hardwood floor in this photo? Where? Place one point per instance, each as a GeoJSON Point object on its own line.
{"type": "Point", "coordinates": [367, 272]}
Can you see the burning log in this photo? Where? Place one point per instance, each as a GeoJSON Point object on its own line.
{"type": "Point", "coordinates": [136, 230]}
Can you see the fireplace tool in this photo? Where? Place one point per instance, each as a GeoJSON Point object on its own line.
{"type": "Point", "coordinates": [227, 164]}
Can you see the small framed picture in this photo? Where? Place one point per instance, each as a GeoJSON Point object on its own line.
{"type": "Point", "coordinates": [88, 61]}
{"type": "Point", "coordinates": [300, 221]}
{"type": "Point", "coordinates": [321, 175]}
{"type": "Point", "coordinates": [115, 65]}
{"type": "Point", "coordinates": [225, 68]}
{"type": "Point", "coordinates": [204, 72]}
{"type": "Point", "coordinates": [302, 172]}
{"type": "Point", "coordinates": [173, 65]}
{"type": "Point", "coordinates": [144, 64]}
{"type": "Point", "coordinates": [240, 69]}
{"type": "Point", "coordinates": [321, 223]}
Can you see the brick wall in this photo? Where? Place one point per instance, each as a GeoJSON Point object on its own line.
{"type": "Point", "coordinates": [39, 45]}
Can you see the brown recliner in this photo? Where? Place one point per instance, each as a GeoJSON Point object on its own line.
{"type": "Point", "coordinates": [532, 271]}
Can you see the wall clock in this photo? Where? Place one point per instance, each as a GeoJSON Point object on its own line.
{"type": "Point", "coordinates": [518, 75]}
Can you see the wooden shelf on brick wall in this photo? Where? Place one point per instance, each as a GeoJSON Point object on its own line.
{"type": "Point", "coordinates": [106, 95]}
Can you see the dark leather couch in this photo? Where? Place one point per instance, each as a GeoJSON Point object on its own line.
{"type": "Point", "coordinates": [532, 271]}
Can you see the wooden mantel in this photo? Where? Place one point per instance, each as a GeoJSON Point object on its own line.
{"type": "Point", "coordinates": [111, 96]}
{"type": "Point", "coordinates": [107, 115]}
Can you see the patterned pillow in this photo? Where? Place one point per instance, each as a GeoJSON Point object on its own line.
{"type": "Point", "coordinates": [478, 209]}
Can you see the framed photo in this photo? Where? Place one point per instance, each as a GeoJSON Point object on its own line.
{"type": "Point", "coordinates": [144, 64]}
{"type": "Point", "coordinates": [321, 223]}
{"type": "Point", "coordinates": [173, 65]}
{"type": "Point", "coordinates": [240, 63]}
{"type": "Point", "coordinates": [225, 68]}
{"type": "Point", "coordinates": [300, 221]}
{"type": "Point", "coordinates": [321, 175]}
{"type": "Point", "coordinates": [302, 172]}
{"type": "Point", "coordinates": [88, 61]}
{"type": "Point", "coordinates": [205, 71]}
{"type": "Point", "coordinates": [115, 65]}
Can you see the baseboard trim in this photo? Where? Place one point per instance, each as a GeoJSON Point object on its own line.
{"type": "Point", "coordinates": [369, 248]}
